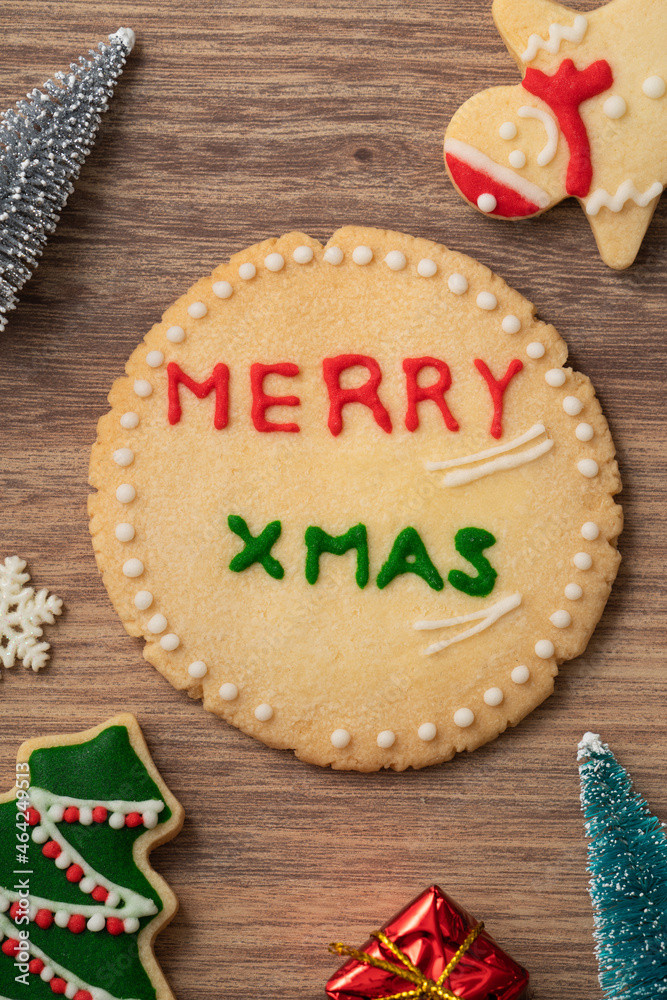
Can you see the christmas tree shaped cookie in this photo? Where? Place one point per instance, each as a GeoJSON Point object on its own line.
{"type": "Point", "coordinates": [80, 905]}
{"type": "Point", "coordinates": [588, 120]}
{"type": "Point", "coordinates": [352, 497]}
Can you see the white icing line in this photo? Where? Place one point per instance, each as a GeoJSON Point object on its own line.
{"type": "Point", "coordinates": [498, 465]}
{"type": "Point", "coordinates": [452, 463]}
{"type": "Point", "coordinates": [547, 154]}
{"type": "Point", "coordinates": [10, 930]}
{"type": "Point", "coordinates": [557, 34]}
{"type": "Point", "coordinates": [503, 175]}
{"type": "Point", "coordinates": [624, 192]}
{"type": "Point", "coordinates": [488, 617]}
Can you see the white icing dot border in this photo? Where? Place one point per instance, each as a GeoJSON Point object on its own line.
{"type": "Point", "coordinates": [394, 261]}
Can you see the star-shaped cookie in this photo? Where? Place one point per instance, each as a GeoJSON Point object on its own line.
{"type": "Point", "coordinates": [588, 120]}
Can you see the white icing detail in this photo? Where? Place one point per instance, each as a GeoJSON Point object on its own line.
{"type": "Point", "coordinates": [263, 713]}
{"type": "Point", "coordinates": [142, 388]}
{"type": "Point", "coordinates": [143, 600]}
{"type": "Point", "coordinates": [130, 925]}
{"type": "Point", "coordinates": [247, 271]}
{"type": "Point", "coordinates": [340, 738]}
{"type": "Point", "coordinates": [124, 532]}
{"type": "Point", "coordinates": [362, 255]}
{"type": "Point", "coordinates": [546, 154]}
{"type": "Point", "coordinates": [573, 591]}
{"type": "Point", "coordinates": [555, 377]}
{"type": "Point", "coordinates": [500, 464]}
{"type": "Point", "coordinates": [614, 107]}
{"type": "Point", "coordinates": [520, 674]}
{"type": "Point", "coordinates": [274, 262]}
{"type": "Point", "coordinates": [511, 324]}
{"type": "Point", "coordinates": [561, 619]}
{"type": "Point", "coordinates": [557, 34]}
{"type": "Point", "coordinates": [654, 87]}
{"type": "Point", "coordinates": [487, 301]}
{"type": "Point", "coordinates": [590, 743]}
{"type": "Point", "coordinates": [71, 990]}
{"type": "Point", "coordinates": [96, 923]}
{"type": "Point", "coordinates": [228, 691]}
{"type": "Point", "coordinates": [507, 130]}
{"type": "Point", "coordinates": [170, 641]}
{"type": "Point", "coordinates": [488, 616]}
{"type": "Point", "coordinates": [39, 836]}
{"type": "Point", "coordinates": [333, 255]}
{"type": "Point", "coordinates": [486, 202]}
{"type": "Point", "coordinates": [517, 159]}
{"type": "Point", "coordinates": [123, 457]}
{"type": "Point", "coordinates": [452, 463]}
{"type": "Point", "coordinates": [157, 624]}
{"type": "Point", "coordinates": [303, 255]}
{"type": "Point", "coordinates": [175, 334]}
{"type": "Point", "coordinates": [386, 739]}
{"type": "Point", "coordinates": [458, 284]}
{"type": "Point", "coordinates": [133, 567]}
{"type": "Point", "coordinates": [463, 717]}
{"type": "Point", "coordinates": [117, 820]}
{"type": "Point", "coordinates": [126, 493]}
{"type": "Point", "coordinates": [426, 267]}
{"type": "Point", "coordinates": [535, 350]}
{"type": "Point", "coordinates": [544, 648]}
{"type": "Point", "coordinates": [503, 175]}
{"type": "Point", "coordinates": [126, 36]}
{"type": "Point", "coordinates": [56, 813]}
{"type": "Point", "coordinates": [52, 968]}
{"type": "Point", "coordinates": [129, 420]}
{"type": "Point", "coordinates": [584, 432]}
{"type": "Point", "coordinates": [150, 818]}
{"type": "Point", "coordinates": [588, 467]}
{"type": "Point", "coordinates": [590, 531]}
{"type": "Point", "coordinates": [427, 732]}
{"type": "Point", "coordinates": [572, 406]}
{"type": "Point", "coordinates": [154, 359]}
{"type": "Point", "coordinates": [197, 310]}
{"type": "Point", "coordinates": [582, 560]}
{"type": "Point", "coordinates": [198, 669]}
{"type": "Point", "coordinates": [395, 260]}
{"type": "Point", "coordinates": [61, 918]}
{"type": "Point", "coordinates": [624, 192]}
{"type": "Point", "coordinates": [63, 861]}
{"type": "Point", "coordinates": [493, 697]}
{"type": "Point", "coordinates": [222, 289]}
{"type": "Point", "coordinates": [112, 900]}
{"type": "Point", "coordinates": [87, 884]}
{"type": "Point", "coordinates": [4, 904]}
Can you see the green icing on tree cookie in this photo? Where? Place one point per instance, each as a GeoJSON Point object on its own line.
{"type": "Point", "coordinates": [470, 543]}
{"type": "Point", "coordinates": [319, 541]}
{"type": "Point", "coordinates": [409, 544]}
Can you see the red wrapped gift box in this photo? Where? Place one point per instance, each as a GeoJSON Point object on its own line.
{"type": "Point", "coordinates": [433, 933]}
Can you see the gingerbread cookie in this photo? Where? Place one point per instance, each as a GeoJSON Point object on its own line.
{"type": "Point", "coordinates": [588, 120]}
{"type": "Point", "coordinates": [351, 498]}
{"type": "Point", "coordinates": [80, 905]}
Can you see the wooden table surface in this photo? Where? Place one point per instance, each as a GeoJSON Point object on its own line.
{"type": "Point", "coordinates": [235, 121]}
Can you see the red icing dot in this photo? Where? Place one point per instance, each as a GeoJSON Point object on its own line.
{"type": "Point", "coordinates": [134, 819]}
{"type": "Point", "coordinates": [74, 873]}
{"type": "Point", "coordinates": [100, 814]}
{"type": "Point", "coordinates": [71, 815]}
{"type": "Point", "coordinates": [36, 965]}
{"type": "Point", "coordinates": [83, 995]}
{"type": "Point", "coordinates": [76, 923]}
{"type": "Point", "coordinates": [115, 926]}
{"type": "Point", "coordinates": [58, 985]}
{"type": "Point", "coordinates": [51, 849]}
{"type": "Point", "coordinates": [44, 919]}
{"type": "Point", "coordinates": [10, 946]}
{"type": "Point", "coordinates": [14, 910]}
{"type": "Point", "coordinates": [32, 816]}
{"type": "Point", "coordinates": [99, 894]}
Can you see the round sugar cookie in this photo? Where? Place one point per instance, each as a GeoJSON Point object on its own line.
{"type": "Point", "coordinates": [351, 497]}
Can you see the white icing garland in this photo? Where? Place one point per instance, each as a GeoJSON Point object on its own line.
{"type": "Point", "coordinates": [96, 992]}
{"type": "Point", "coordinates": [557, 34]}
{"type": "Point", "coordinates": [624, 192]}
{"type": "Point", "coordinates": [488, 617]}
{"type": "Point", "coordinates": [547, 154]}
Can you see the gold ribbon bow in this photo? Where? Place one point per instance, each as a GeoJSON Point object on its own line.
{"type": "Point", "coordinates": [425, 987]}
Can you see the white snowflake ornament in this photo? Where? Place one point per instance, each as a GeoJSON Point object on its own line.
{"type": "Point", "coordinates": [22, 614]}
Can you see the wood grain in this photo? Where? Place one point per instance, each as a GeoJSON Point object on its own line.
{"type": "Point", "coordinates": [235, 121]}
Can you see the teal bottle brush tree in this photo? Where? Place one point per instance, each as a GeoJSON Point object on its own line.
{"type": "Point", "coordinates": [627, 862]}
{"type": "Point", "coordinates": [44, 140]}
